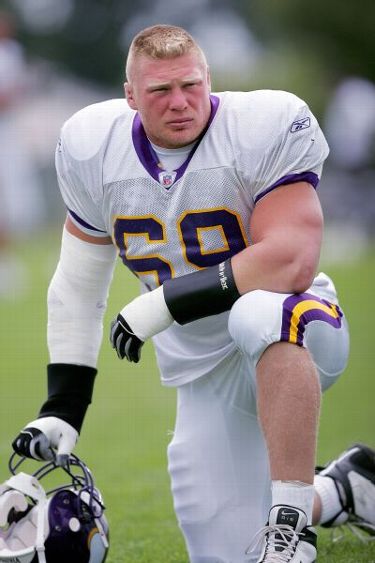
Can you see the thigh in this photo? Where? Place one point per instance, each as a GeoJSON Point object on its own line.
{"type": "Point", "coordinates": [218, 464]}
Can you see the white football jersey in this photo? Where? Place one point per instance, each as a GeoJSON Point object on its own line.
{"type": "Point", "coordinates": [167, 224]}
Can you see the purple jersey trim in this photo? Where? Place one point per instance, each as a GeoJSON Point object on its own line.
{"type": "Point", "coordinates": [146, 153]}
{"type": "Point", "coordinates": [83, 223]}
{"type": "Point", "coordinates": [293, 329]}
{"type": "Point", "coordinates": [309, 177]}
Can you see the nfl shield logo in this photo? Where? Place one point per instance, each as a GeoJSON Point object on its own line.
{"type": "Point", "coordinates": [166, 179]}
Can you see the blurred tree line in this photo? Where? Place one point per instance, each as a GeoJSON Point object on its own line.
{"type": "Point", "coordinates": [87, 44]}
{"type": "Point", "coordinates": [341, 34]}
{"type": "Point", "coordinates": [325, 40]}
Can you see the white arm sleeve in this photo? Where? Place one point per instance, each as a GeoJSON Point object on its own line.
{"type": "Point", "coordinates": [77, 298]}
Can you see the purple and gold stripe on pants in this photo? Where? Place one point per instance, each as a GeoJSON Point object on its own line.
{"type": "Point", "coordinates": [299, 310]}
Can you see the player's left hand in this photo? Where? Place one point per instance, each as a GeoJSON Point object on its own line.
{"type": "Point", "coordinates": [124, 341]}
{"type": "Point", "coordinates": [139, 320]}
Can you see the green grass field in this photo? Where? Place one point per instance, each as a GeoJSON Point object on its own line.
{"type": "Point", "coordinates": [128, 427]}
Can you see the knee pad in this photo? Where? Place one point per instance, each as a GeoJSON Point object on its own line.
{"type": "Point", "coordinates": [255, 322]}
{"type": "Point", "coordinates": [329, 349]}
{"type": "Point", "coordinates": [261, 318]}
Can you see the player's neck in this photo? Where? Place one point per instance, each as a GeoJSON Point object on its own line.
{"type": "Point", "coordinates": [179, 150]}
{"type": "Point", "coordinates": [172, 159]}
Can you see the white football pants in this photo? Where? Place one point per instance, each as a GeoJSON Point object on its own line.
{"type": "Point", "coordinates": [218, 460]}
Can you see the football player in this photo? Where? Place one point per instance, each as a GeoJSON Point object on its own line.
{"type": "Point", "coordinates": [210, 199]}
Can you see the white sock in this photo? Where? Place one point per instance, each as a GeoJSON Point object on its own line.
{"type": "Point", "coordinates": [329, 499]}
{"type": "Point", "coordinates": [294, 493]}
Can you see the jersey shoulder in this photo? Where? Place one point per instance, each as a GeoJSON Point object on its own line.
{"type": "Point", "coordinates": [275, 100]}
{"type": "Point", "coordinates": [86, 131]}
{"type": "Point", "coordinates": [271, 110]}
{"type": "Point", "coordinates": [262, 121]}
{"type": "Point", "coordinates": [271, 135]}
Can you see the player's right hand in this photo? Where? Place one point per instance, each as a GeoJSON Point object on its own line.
{"type": "Point", "coordinates": [49, 438]}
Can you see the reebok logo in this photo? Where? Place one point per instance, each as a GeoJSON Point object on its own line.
{"type": "Point", "coordinates": [303, 123]}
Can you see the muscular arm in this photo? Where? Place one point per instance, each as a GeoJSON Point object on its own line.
{"type": "Point", "coordinates": [286, 232]}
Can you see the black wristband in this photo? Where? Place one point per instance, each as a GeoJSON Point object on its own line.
{"type": "Point", "coordinates": [70, 389]}
{"type": "Point", "coordinates": [200, 294]}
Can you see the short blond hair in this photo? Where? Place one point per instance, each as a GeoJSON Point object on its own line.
{"type": "Point", "coordinates": [162, 42]}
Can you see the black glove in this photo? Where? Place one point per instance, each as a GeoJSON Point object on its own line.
{"type": "Point", "coordinates": [124, 341]}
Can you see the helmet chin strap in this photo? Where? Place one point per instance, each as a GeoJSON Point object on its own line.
{"type": "Point", "coordinates": [102, 533]}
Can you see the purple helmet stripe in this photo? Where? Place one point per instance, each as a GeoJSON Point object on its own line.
{"type": "Point", "coordinates": [307, 176]}
{"type": "Point", "coordinates": [299, 310]}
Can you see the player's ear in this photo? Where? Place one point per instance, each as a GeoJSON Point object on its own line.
{"type": "Point", "coordinates": [209, 78]}
{"type": "Point", "coordinates": [129, 95]}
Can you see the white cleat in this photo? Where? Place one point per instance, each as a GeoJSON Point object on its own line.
{"type": "Point", "coordinates": [286, 538]}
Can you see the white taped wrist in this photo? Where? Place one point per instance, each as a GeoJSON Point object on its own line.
{"type": "Point", "coordinates": [148, 314]}
{"type": "Point", "coordinates": [77, 298]}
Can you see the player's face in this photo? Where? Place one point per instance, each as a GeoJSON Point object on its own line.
{"type": "Point", "coordinates": [171, 97]}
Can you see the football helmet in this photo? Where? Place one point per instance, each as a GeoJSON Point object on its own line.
{"type": "Point", "coordinates": [64, 523]}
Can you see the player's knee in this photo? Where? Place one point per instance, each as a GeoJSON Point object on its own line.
{"type": "Point", "coordinates": [254, 322]}
{"type": "Point", "coordinates": [329, 348]}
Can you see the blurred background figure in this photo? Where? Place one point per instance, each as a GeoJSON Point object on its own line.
{"type": "Point", "coordinates": [20, 197]}
{"type": "Point", "coordinates": [351, 122]}
{"type": "Point", "coordinates": [350, 126]}
{"type": "Point", "coordinates": [348, 191]}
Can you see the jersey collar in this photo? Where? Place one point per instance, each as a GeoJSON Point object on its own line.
{"type": "Point", "coordinates": [147, 155]}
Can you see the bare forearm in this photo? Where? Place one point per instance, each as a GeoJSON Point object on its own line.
{"type": "Point", "coordinates": [276, 265]}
